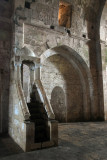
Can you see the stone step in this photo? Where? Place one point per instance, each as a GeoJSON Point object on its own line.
{"type": "Point", "coordinates": [39, 122]}
{"type": "Point", "coordinates": [41, 139]}
{"type": "Point", "coordinates": [38, 116]}
{"type": "Point", "coordinates": [37, 110]}
{"type": "Point", "coordinates": [35, 104]}
{"type": "Point", "coordinates": [40, 129]}
{"type": "Point", "coordinates": [40, 135]}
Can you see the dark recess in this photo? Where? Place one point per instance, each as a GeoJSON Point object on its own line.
{"type": "Point", "coordinates": [84, 35]}
{"type": "Point", "coordinates": [52, 27]}
{"type": "Point", "coordinates": [92, 27]}
{"type": "Point", "coordinates": [27, 5]}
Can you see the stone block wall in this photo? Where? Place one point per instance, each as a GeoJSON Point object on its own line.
{"type": "Point", "coordinates": [40, 39]}
{"type": "Point", "coordinates": [63, 88]}
{"type": "Point", "coordinates": [26, 82]}
{"type": "Point", "coordinates": [103, 39]}
{"type": "Point", "coordinates": [45, 11]}
{"type": "Point", "coordinates": [35, 24]}
{"type": "Point", "coordinates": [17, 127]}
{"type": "Point", "coordinates": [5, 54]}
{"type": "Point", "coordinates": [45, 14]}
{"type": "Point", "coordinates": [85, 17]}
{"type": "Point", "coordinates": [83, 36]}
{"type": "Point", "coordinates": [20, 131]}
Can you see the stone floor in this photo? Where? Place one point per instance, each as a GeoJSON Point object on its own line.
{"type": "Point", "coordinates": [77, 141]}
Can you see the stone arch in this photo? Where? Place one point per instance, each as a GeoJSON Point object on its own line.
{"type": "Point", "coordinates": [27, 52]}
{"type": "Point", "coordinates": [85, 76]}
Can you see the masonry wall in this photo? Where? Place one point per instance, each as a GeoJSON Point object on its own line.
{"type": "Point", "coordinates": [17, 127]}
{"type": "Point", "coordinates": [26, 82]}
{"type": "Point", "coordinates": [40, 39]}
{"type": "Point", "coordinates": [36, 25]}
{"type": "Point", "coordinates": [5, 54]}
{"type": "Point", "coordinates": [84, 26]}
{"type": "Point", "coordinates": [103, 39]}
{"type": "Point", "coordinates": [63, 88]}
{"type": "Point", "coordinates": [41, 32]}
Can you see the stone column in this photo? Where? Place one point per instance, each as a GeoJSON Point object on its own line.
{"type": "Point", "coordinates": [32, 75]}
{"type": "Point", "coordinates": [97, 112]}
{"type": "Point", "coordinates": [37, 72]}
{"type": "Point", "coordinates": [0, 105]}
{"type": "Point", "coordinates": [18, 71]}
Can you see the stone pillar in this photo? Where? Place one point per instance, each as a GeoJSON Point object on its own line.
{"type": "Point", "coordinates": [37, 73]}
{"type": "Point", "coordinates": [19, 71]}
{"type": "Point", "coordinates": [32, 75]}
{"type": "Point", "coordinates": [54, 131]}
{"type": "Point", "coordinates": [0, 106]}
{"type": "Point", "coordinates": [97, 112]}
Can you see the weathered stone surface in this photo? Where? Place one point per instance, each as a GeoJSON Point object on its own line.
{"type": "Point", "coordinates": [39, 40]}
{"type": "Point", "coordinates": [63, 87]}
{"type": "Point", "coordinates": [76, 140]}
{"type": "Point", "coordinates": [5, 53]}
{"type": "Point", "coordinates": [103, 36]}
{"type": "Point", "coordinates": [64, 15]}
{"type": "Point", "coordinates": [34, 23]}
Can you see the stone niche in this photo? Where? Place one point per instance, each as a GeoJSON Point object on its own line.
{"type": "Point", "coordinates": [64, 16]}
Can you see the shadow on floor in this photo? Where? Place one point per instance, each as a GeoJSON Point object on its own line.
{"type": "Point", "coordinates": [77, 141]}
{"type": "Point", "coordinates": [8, 146]}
